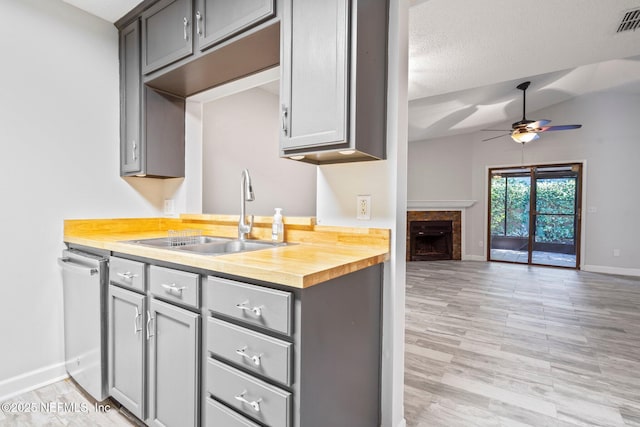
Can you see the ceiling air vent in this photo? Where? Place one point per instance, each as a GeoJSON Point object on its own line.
{"type": "Point", "coordinates": [630, 21]}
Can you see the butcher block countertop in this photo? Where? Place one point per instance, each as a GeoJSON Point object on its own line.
{"type": "Point", "coordinates": [320, 253]}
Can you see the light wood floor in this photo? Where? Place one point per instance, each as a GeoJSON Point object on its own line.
{"type": "Point", "coordinates": [494, 344]}
{"type": "Point", "coordinates": [487, 344]}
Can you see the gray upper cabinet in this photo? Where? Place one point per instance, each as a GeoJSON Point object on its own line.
{"type": "Point", "coordinates": [130, 97]}
{"type": "Point", "coordinates": [127, 349]}
{"type": "Point", "coordinates": [217, 20]}
{"type": "Point", "coordinates": [151, 122]}
{"type": "Point", "coordinates": [333, 80]}
{"type": "Point", "coordinates": [173, 368]}
{"type": "Point", "coordinates": [167, 33]}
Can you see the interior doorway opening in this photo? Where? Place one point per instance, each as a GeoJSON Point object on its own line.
{"type": "Point", "coordinates": [534, 215]}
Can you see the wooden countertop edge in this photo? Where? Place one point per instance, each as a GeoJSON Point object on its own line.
{"type": "Point", "coordinates": [248, 264]}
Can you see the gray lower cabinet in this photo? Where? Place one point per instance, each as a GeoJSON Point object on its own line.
{"type": "Point", "coordinates": [173, 367]}
{"type": "Point", "coordinates": [167, 33]}
{"type": "Point", "coordinates": [127, 349]}
{"type": "Point", "coordinates": [333, 80]}
{"type": "Point", "coordinates": [154, 345]}
{"type": "Point", "coordinates": [218, 20]}
{"type": "Point", "coordinates": [285, 357]}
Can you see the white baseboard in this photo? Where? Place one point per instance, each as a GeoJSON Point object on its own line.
{"type": "Point", "coordinates": [32, 380]}
{"type": "Point", "coordinates": [474, 258]}
{"type": "Point", "coordinates": [612, 270]}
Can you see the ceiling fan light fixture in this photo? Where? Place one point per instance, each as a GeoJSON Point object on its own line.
{"type": "Point", "coordinates": [522, 137]}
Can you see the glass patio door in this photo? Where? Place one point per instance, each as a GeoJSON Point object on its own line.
{"type": "Point", "coordinates": [534, 215]}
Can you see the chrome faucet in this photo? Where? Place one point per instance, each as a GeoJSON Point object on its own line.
{"type": "Point", "coordinates": [246, 195]}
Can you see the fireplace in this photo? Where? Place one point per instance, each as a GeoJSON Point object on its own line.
{"type": "Point", "coordinates": [434, 235]}
{"type": "Point", "coordinates": [431, 240]}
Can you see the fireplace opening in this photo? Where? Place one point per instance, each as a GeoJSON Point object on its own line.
{"type": "Point", "coordinates": [431, 240]}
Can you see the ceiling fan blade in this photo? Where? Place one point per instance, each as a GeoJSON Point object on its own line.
{"type": "Point", "coordinates": [538, 124]}
{"type": "Point", "coordinates": [559, 127]}
{"type": "Point", "coordinates": [494, 137]}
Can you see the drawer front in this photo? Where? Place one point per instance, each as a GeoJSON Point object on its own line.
{"type": "Point", "coordinates": [264, 307]}
{"type": "Point", "coordinates": [218, 415]}
{"type": "Point", "coordinates": [174, 285]}
{"type": "Point", "coordinates": [264, 402]}
{"type": "Point", "coordinates": [127, 273]}
{"type": "Point", "coordinates": [257, 352]}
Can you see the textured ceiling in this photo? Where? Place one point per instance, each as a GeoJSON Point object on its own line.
{"type": "Point", "coordinates": [467, 56]}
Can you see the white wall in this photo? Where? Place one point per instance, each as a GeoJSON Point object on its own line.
{"type": "Point", "coordinates": [59, 138]}
{"type": "Point", "coordinates": [386, 182]}
{"type": "Point", "coordinates": [242, 131]}
{"type": "Point", "coordinates": [608, 144]}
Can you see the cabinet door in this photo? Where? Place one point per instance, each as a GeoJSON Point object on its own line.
{"type": "Point", "coordinates": [173, 367]}
{"type": "Point", "coordinates": [127, 349]}
{"type": "Point", "coordinates": [130, 95]}
{"type": "Point", "coordinates": [167, 33]}
{"type": "Point", "coordinates": [217, 20]}
{"type": "Point", "coordinates": [315, 78]}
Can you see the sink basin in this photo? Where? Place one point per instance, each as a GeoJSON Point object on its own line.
{"type": "Point", "coordinates": [207, 245]}
{"type": "Point", "coordinates": [166, 242]}
{"type": "Point", "coordinates": [229, 247]}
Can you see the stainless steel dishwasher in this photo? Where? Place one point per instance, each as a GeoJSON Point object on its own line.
{"type": "Point", "coordinates": [84, 281]}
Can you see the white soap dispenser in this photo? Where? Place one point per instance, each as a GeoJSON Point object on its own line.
{"type": "Point", "coordinates": [277, 228]}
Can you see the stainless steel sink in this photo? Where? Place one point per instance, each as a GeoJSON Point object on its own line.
{"type": "Point", "coordinates": [229, 247]}
{"type": "Point", "coordinates": [208, 245]}
{"type": "Point", "coordinates": [166, 242]}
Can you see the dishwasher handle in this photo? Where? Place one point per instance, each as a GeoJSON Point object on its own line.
{"type": "Point", "coordinates": [68, 263]}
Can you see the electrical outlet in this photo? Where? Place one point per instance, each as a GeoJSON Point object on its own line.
{"type": "Point", "coordinates": [363, 207]}
{"type": "Point", "coordinates": [169, 207]}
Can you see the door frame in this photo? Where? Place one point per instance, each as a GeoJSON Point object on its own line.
{"type": "Point", "coordinates": [579, 229]}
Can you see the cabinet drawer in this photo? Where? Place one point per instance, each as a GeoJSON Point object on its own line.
{"type": "Point", "coordinates": [218, 415]}
{"type": "Point", "coordinates": [264, 402]}
{"type": "Point", "coordinates": [174, 285]}
{"type": "Point", "coordinates": [127, 273]}
{"type": "Point", "coordinates": [257, 352]}
{"type": "Point", "coordinates": [268, 308]}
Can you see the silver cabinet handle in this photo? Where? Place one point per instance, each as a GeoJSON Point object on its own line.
{"type": "Point", "coordinates": [173, 289]}
{"type": "Point", "coordinates": [128, 275]}
{"type": "Point", "coordinates": [198, 20]}
{"type": "Point", "coordinates": [255, 358]}
{"type": "Point", "coordinates": [135, 322]}
{"type": "Point", "coordinates": [254, 404]}
{"type": "Point", "coordinates": [186, 24]}
{"type": "Point", "coordinates": [149, 319]}
{"type": "Point", "coordinates": [285, 113]}
{"type": "Point", "coordinates": [134, 154]}
{"type": "Point", "coordinates": [257, 310]}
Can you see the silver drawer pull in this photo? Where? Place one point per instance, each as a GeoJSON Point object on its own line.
{"type": "Point", "coordinates": [128, 275]}
{"type": "Point", "coordinates": [254, 404]}
{"type": "Point", "coordinates": [255, 358]}
{"type": "Point", "coordinates": [257, 310]}
{"type": "Point", "coordinates": [173, 289]}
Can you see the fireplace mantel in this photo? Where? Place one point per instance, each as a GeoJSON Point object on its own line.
{"type": "Point", "coordinates": [439, 204]}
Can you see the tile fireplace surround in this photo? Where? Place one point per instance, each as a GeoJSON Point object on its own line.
{"type": "Point", "coordinates": [454, 216]}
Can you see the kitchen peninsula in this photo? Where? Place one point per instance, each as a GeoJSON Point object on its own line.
{"type": "Point", "coordinates": [286, 336]}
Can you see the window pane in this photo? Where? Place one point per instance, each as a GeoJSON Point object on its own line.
{"type": "Point", "coordinates": [556, 195]}
{"type": "Point", "coordinates": [518, 197]}
{"type": "Point", "coordinates": [498, 200]}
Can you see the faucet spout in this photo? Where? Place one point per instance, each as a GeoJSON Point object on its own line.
{"type": "Point", "coordinates": [246, 195]}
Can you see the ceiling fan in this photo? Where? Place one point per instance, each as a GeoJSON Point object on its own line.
{"type": "Point", "coordinates": [525, 130]}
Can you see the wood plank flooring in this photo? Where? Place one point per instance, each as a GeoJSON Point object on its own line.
{"type": "Point", "coordinates": [494, 344]}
